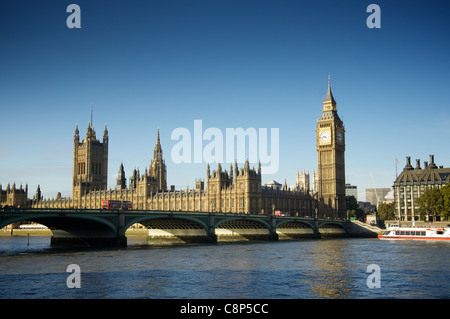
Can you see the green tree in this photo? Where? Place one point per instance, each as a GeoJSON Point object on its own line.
{"type": "Point", "coordinates": [445, 192]}
{"type": "Point", "coordinates": [386, 211]}
{"type": "Point", "coordinates": [353, 209]}
{"type": "Point", "coordinates": [431, 202]}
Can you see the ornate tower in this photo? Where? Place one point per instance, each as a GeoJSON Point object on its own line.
{"type": "Point", "coordinates": [90, 163]}
{"type": "Point", "coordinates": [330, 141]}
{"type": "Point", "coordinates": [158, 166]}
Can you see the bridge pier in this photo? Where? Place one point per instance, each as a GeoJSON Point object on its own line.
{"type": "Point", "coordinates": [273, 231]}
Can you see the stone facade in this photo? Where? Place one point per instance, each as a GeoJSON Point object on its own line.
{"type": "Point", "coordinates": [12, 196]}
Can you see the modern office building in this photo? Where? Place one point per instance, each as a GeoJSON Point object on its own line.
{"type": "Point", "coordinates": [351, 190]}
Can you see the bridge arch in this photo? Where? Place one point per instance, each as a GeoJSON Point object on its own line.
{"type": "Point", "coordinates": [299, 223]}
{"type": "Point", "coordinates": [242, 229]}
{"type": "Point", "coordinates": [294, 229]}
{"type": "Point", "coordinates": [164, 228]}
{"type": "Point", "coordinates": [63, 222]}
{"type": "Point", "coordinates": [331, 229]}
{"type": "Point", "coordinates": [73, 228]}
{"type": "Point", "coordinates": [143, 219]}
{"type": "Point", "coordinates": [252, 221]}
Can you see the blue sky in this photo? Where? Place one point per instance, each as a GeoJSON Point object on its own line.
{"type": "Point", "coordinates": [260, 64]}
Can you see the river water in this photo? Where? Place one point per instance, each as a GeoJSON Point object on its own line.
{"type": "Point", "coordinates": [320, 268]}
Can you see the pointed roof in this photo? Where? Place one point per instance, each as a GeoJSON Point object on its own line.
{"type": "Point", "coordinates": [329, 97]}
{"type": "Point", "coordinates": [329, 111]}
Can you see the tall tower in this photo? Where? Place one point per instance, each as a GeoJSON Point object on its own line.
{"type": "Point", "coordinates": [158, 166]}
{"type": "Point", "coordinates": [90, 163]}
{"type": "Point", "coordinates": [330, 141]}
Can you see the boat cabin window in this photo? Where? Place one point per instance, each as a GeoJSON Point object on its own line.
{"type": "Point", "coordinates": [440, 232]}
{"type": "Point", "coordinates": [387, 233]}
{"type": "Point", "coordinates": [410, 233]}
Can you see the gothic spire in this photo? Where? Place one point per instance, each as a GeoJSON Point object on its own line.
{"type": "Point", "coordinates": [157, 153]}
{"type": "Point", "coordinates": [329, 104]}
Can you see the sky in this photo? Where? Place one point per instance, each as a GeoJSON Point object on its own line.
{"type": "Point", "coordinates": [144, 65]}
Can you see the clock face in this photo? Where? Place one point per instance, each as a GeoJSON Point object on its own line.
{"type": "Point", "coordinates": [340, 137]}
{"type": "Point", "coordinates": [324, 136]}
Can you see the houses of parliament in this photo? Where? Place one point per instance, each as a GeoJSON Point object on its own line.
{"type": "Point", "coordinates": [236, 189]}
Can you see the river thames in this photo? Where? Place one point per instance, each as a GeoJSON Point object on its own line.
{"type": "Point", "coordinates": [313, 269]}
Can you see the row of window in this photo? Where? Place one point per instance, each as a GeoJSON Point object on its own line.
{"type": "Point", "coordinates": [414, 191]}
{"type": "Point", "coordinates": [436, 181]}
{"type": "Point", "coordinates": [410, 233]}
{"type": "Point", "coordinates": [406, 233]}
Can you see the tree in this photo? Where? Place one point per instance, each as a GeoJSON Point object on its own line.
{"type": "Point", "coordinates": [353, 209]}
{"type": "Point", "coordinates": [386, 211]}
{"type": "Point", "coordinates": [431, 203]}
{"type": "Point", "coordinates": [445, 192]}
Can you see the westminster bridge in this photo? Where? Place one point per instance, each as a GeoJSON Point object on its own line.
{"type": "Point", "coordinates": [97, 227]}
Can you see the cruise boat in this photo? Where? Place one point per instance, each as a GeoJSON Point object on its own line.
{"type": "Point", "coordinates": [416, 233]}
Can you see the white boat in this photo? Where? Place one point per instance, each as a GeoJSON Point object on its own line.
{"type": "Point", "coordinates": [416, 233]}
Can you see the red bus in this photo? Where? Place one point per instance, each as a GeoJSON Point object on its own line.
{"type": "Point", "coordinates": [116, 204]}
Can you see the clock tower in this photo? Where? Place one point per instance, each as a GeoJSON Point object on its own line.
{"type": "Point", "coordinates": [330, 141]}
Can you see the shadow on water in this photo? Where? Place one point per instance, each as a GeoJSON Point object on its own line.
{"type": "Point", "coordinates": [22, 245]}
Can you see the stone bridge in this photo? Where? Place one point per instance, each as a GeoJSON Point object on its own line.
{"type": "Point", "coordinates": [94, 227]}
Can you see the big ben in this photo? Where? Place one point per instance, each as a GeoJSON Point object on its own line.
{"type": "Point", "coordinates": [330, 141]}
